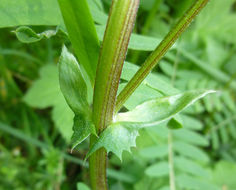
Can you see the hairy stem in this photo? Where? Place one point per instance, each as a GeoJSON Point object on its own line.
{"type": "Point", "coordinates": [114, 47]}
{"type": "Point", "coordinates": [159, 52]}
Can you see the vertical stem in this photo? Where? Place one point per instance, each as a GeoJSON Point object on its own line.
{"type": "Point", "coordinates": [171, 161]}
{"type": "Point", "coordinates": [114, 47]}
{"type": "Point", "coordinates": [170, 136]}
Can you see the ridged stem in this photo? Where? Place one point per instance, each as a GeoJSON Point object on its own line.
{"type": "Point", "coordinates": [154, 58]}
{"type": "Point", "coordinates": [114, 47]}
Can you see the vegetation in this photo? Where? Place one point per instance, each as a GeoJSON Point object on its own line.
{"type": "Point", "coordinates": [64, 114]}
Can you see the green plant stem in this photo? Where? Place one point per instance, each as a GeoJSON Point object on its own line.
{"type": "Point", "coordinates": [170, 135]}
{"type": "Point", "coordinates": [151, 15]}
{"type": "Point", "coordinates": [171, 161]}
{"type": "Point", "coordinates": [119, 27]}
{"type": "Point", "coordinates": [159, 52]}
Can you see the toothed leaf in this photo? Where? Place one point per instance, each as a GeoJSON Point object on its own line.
{"type": "Point", "coordinates": [82, 128]}
{"type": "Point", "coordinates": [116, 138]}
{"type": "Point", "coordinates": [121, 135]}
{"type": "Point", "coordinates": [74, 89]}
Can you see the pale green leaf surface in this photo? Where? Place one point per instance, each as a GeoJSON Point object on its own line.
{"type": "Point", "coordinates": [224, 174]}
{"type": "Point", "coordinates": [190, 167]}
{"type": "Point", "coordinates": [161, 131]}
{"type": "Point", "coordinates": [191, 122]}
{"type": "Point", "coordinates": [96, 9]}
{"type": "Point", "coordinates": [152, 152]}
{"type": "Point", "coordinates": [165, 188]}
{"type": "Point", "coordinates": [211, 22]}
{"type": "Point", "coordinates": [74, 89]}
{"type": "Point", "coordinates": [45, 92]}
{"type": "Point", "coordinates": [82, 186]}
{"type": "Point", "coordinates": [82, 128]}
{"type": "Point", "coordinates": [29, 12]}
{"type": "Point", "coordinates": [190, 151]}
{"type": "Point", "coordinates": [116, 138]}
{"type": "Point", "coordinates": [191, 137]}
{"type": "Point", "coordinates": [72, 83]}
{"type": "Point", "coordinates": [161, 109]}
{"type": "Point", "coordinates": [189, 182]}
{"type": "Point", "coordinates": [137, 41]}
{"type": "Point", "coordinates": [140, 95]}
{"type": "Point", "coordinates": [82, 33]}
{"type": "Point", "coordinates": [63, 116]}
{"type": "Point", "coordinates": [121, 135]}
{"type": "Point", "coordinates": [26, 35]}
{"type": "Point", "coordinates": [152, 79]}
{"type": "Point", "coordinates": [212, 71]}
{"type": "Point", "coordinates": [158, 170]}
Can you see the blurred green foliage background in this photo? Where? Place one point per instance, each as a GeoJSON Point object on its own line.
{"type": "Point", "coordinates": [36, 123]}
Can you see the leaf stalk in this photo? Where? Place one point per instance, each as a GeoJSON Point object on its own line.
{"type": "Point", "coordinates": [154, 58]}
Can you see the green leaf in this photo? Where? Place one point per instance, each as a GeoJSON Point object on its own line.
{"type": "Point", "coordinates": [140, 95]}
{"type": "Point", "coordinates": [215, 73]}
{"type": "Point", "coordinates": [158, 170]}
{"type": "Point", "coordinates": [191, 137]}
{"type": "Point", "coordinates": [72, 83]}
{"type": "Point", "coordinates": [191, 167]}
{"type": "Point", "coordinates": [175, 122]}
{"type": "Point", "coordinates": [82, 33]}
{"type": "Point", "coordinates": [191, 122]}
{"type": "Point", "coordinates": [74, 89]}
{"type": "Point", "coordinates": [121, 135]}
{"type": "Point", "coordinates": [152, 79]}
{"type": "Point", "coordinates": [82, 128]}
{"type": "Point", "coordinates": [189, 182]}
{"type": "Point", "coordinates": [27, 35]}
{"type": "Point", "coordinates": [152, 152]}
{"type": "Point", "coordinates": [116, 138]}
{"type": "Point", "coordinates": [190, 151]}
{"type": "Point", "coordinates": [161, 109]}
{"type": "Point", "coordinates": [82, 186]}
{"type": "Point", "coordinates": [137, 41]}
{"type": "Point", "coordinates": [45, 92]}
{"type": "Point", "coordinates": [99, 16]}
{"type": "Point", "coordinates": [28, 12]}
{"type": "Point", "coordinates": [224, 174]}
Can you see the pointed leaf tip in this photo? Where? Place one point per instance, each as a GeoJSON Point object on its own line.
{"type": "Point", "coordinates": [72, 83]}
{"type": "Point", "coordinates": [122, 134]}
{"type": "Point", "coordinates": [158, 110]}
{"type": "Point", "coordinates": [74, 89]}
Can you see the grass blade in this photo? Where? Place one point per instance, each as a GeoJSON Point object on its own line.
{"type": "Point", "coordinates": [82, 33]}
